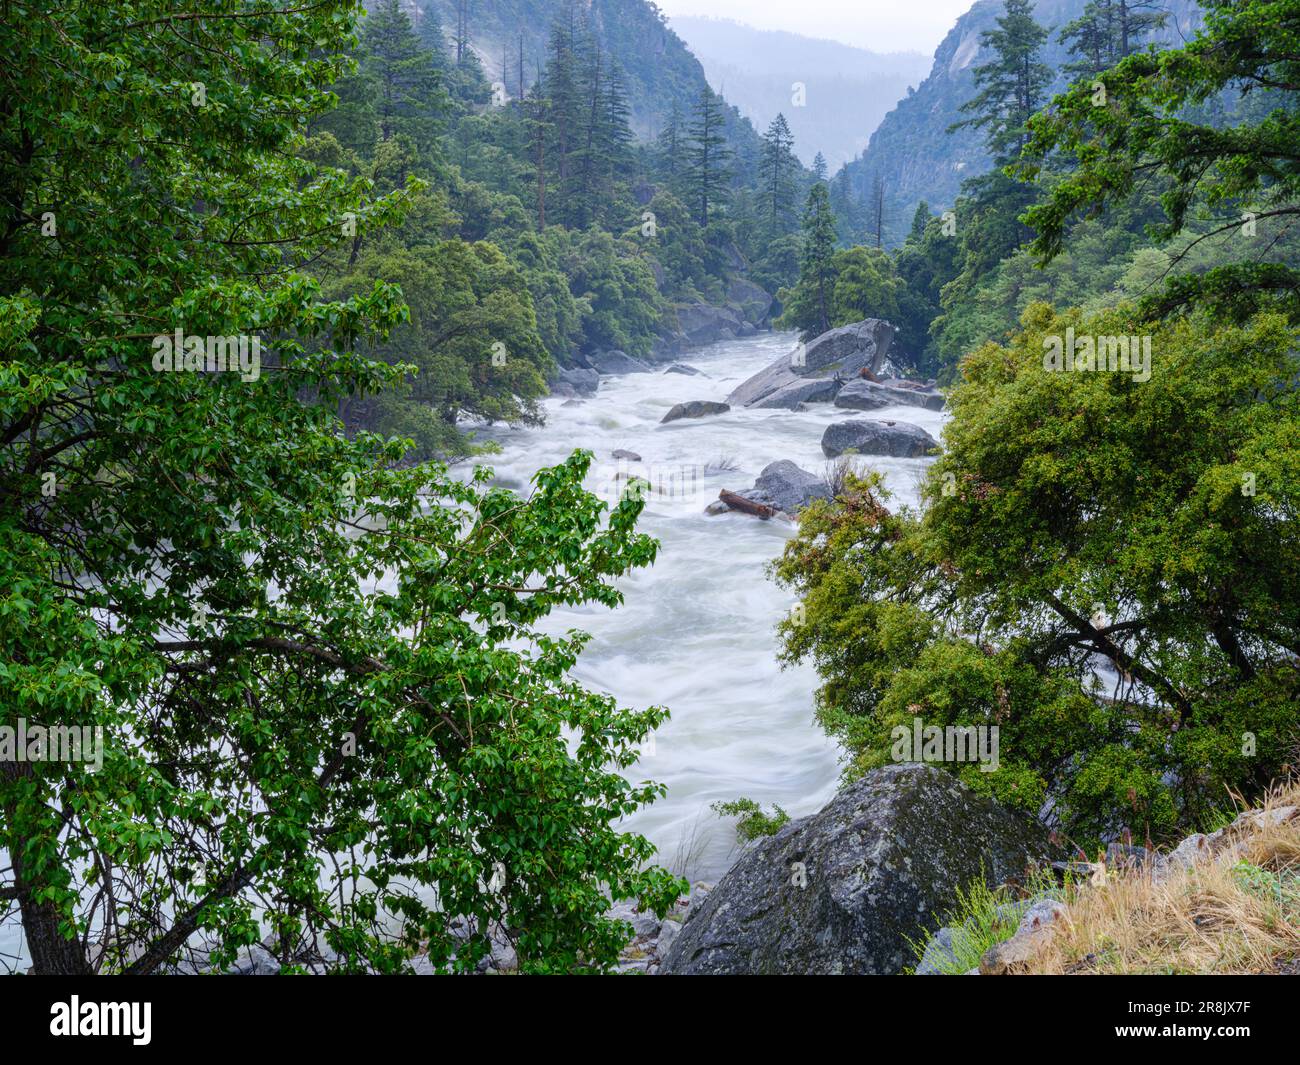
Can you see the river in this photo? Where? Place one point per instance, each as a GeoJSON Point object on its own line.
{"type": "Point", "coordinates": [696, 632]}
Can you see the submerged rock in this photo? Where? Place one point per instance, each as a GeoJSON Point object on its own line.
{"type": "Point", "coordinates": [844, 890]}
{"type": "Point", "coordinates": [900, 440]}
{"type": "Point", "coordinates": [617, 362]}
{"type": "Point", "coordinates": [695, 408]}
{"type": "Point", "coordinates": [682, 368]}
{"type": "Point", "coordinates": [575, 381]}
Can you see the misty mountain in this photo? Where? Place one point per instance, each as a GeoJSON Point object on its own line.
{"type": "Point", "coordinates": [847, 90]}
{"type": "Point", "coordinates": [912, 150]}
{"type": "Point", "coordinates": [510, 37]}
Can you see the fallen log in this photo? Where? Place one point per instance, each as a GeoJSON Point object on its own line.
{"type": "Point", "coordinates": [738, 502]}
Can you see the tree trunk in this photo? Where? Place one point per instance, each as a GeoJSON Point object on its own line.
{"type": "Point", "coordinates": [747, 506]}
{"type": "Point", "coordinates": [53, 953]}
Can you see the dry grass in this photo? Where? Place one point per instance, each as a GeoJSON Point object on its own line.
{"type": "Point", "coordinates": [1239, 913]}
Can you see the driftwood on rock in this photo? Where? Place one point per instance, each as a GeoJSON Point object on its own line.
{"type": "Point", "coordinates": [738, 502]}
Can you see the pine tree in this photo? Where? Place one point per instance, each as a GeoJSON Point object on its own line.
{"type": "Point", "coordinates": [1012, 85]}
{"type": "Point", "coordinates": [523, 89]}
{"type": "Point", "coordinates": [1089, 37]}
{"type": "Point", "coordinates": [848, 213]}
{"type": "Point", "coordinates": [460, 39]}
{"type": "Point", "coordinates": [707, 154]}
{"type": "Point", "coordinates": [816, 266]}
{"type": "Point", "coordinates": [778, 175]}
{"type": "Point", "coordinates": [409, 96]}
{"type": "Point", "coordinates": [616, 140]}
{"type": "Point", "coordinates": [428, 27]}
{"type": "Point", "coordinates": [668, 147]}
{"type": "Point", "coordinates": [580, 203]}
{"type": "Point", "coordinates": [562, 90]}
{"type": "Point", "coordinates": [1108, 31]}
{"type": "Point", "coordinates": [1135, 19]}
{"type": "Point", "coordinates": [535, 108]}
{"type": "Point", "coordinates": [920, 220]}
{"type": "Point", "coordinates": [878, 209]}
{"type": "Point", "coordinates": [819, 168]}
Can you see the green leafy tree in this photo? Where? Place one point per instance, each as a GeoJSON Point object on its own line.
{"type": "Point", "coordinates": [866, 286]}
{"type": "Point", "coordinates": [679, 246]}
{"type": "Point", "coordinates": [1237, 175]}
{"type": "Point", "coordinates": [328, 715]}
{"type": "Point", "coordinates": [1078, 518]}
{"type": "Point", "coordinates": [472, 339]}
{"type": "Point", "coordinates": [614, 288]}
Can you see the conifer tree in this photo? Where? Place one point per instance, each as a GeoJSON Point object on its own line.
{"type": "Point", "coordinates": [817, 263]}
{"type": "Point", "coordinates": [920, 220]}
{"type": "Point", "coordinates": [778, 175]}
{"type": "Point", "coordinates": [1013, 84]}
{"type": "Point", "coordinates": [562, 90]}
{"type": "Point", "coordinates": [409, 97]}
{"type": "Point", "coordinates": [1108, 31]}
{"type": "Point", "coordinates": [668, 146]}
{"type": "Point", "coordinates": [535, 108]}
{"type": "Point", "coordinates": [707, 154]}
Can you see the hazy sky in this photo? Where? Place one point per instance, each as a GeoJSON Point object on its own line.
{"type": "Point", "coordinates": [880, 25]}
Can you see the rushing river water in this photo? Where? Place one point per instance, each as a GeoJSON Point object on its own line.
{"type": "Point", "coordinates": [696, 632]}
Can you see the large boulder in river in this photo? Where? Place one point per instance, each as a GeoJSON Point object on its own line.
{"type": "Point", "coordinates": [703, 323]}
{"type": "Point", "coordinates": [615, 361]}
{"type": "Point", "coordinates": [787, 487]}
{"type": "Point", "coordinates": [900, 440]}
{"type": "Point", "coordinates": [844, 890]}
{"type": "Point", "coordinates": [752, 300]}
{"type": "Point", "coordinates": [576, 381]}
{"type": "Point", "coordinates": [871, 395]}
{"type": "Point", "coordinates": [833, 358]}
{"type": "Point", "coordinates": [801, 390]}
{"type": "Point", "coordinates": [849, 348]}
{"type": "Point", "coordinates": [695, 408]}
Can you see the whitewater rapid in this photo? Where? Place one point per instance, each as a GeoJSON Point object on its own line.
{"type": "Point", "coordinates": [696, 632]}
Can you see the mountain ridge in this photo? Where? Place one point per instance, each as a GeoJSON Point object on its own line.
{"type": "Point", "coordinates": [911, 149]}
{"type": "Point", "coordinates": [846, 89]}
